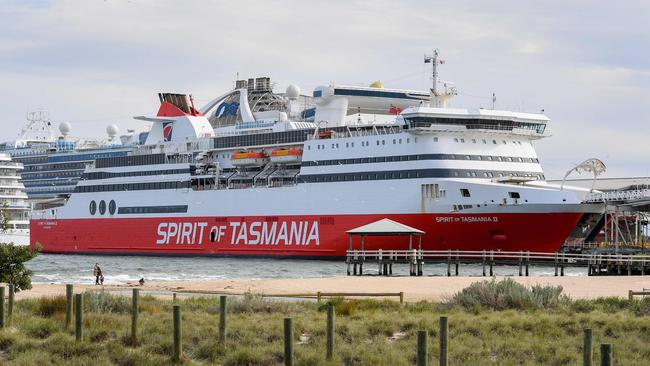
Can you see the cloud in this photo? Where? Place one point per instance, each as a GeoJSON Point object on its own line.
{"type": "Point", "coordinates": [95, 62]}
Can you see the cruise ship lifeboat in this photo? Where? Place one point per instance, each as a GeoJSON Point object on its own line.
{"type": "Point", "coordinates": [249, 158]}
{"type": "Point", "coordinates": [286, 155]}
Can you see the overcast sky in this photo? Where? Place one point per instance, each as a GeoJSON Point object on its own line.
{"type": "Point", "coordinates": [95, 62]}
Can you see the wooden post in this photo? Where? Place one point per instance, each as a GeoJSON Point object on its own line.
{"type": "Point", "coordinates": [134, 317]}
{"type": "Point", "coordinates": [2, 307]}
{"type": "Point", "coordinates": [483, 263]}
{"type": "Point", "coordinates": [174, 297]}
{"type": "Point", "coordinates": [444, 344]}
{"type": "Point", "coordinates": [606, 357]}
{"type": "Point", "coordinates": [78, 329]}
{"type": "Point", "coordinates": [587, 348]}
{"type": "Point", "coordinates": [318, 296]}
{"type": "Point", "coordinates": [401, 297]}
{"type": "Point", "coordinates": [222, 320]}
{"type": "Point", "coordinates": [422, 359]}
{"type": "Point", "coordinates": [177, 333]}
{"type": "Point", "coordinates": [68, 305]}
{"type": "Point", "coordinates": [330, 331]}
{"type": "Point", "coordinates": [288, 342]}
{"type": "Point", "coordinates": [630, 295]}
{"type": "Point", "coordinates": [10, 304]}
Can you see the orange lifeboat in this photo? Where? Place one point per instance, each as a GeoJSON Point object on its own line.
{"type": "Point", "coordinates": [248, 158]}
{"type": "Point", "coordinates": [286, 155]}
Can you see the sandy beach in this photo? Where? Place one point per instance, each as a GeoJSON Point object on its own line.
{"type": "Point", "coordinates": [415, 289]}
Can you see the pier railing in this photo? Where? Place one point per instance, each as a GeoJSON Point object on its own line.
{"type": "Point", "coordinates": [596, 263]}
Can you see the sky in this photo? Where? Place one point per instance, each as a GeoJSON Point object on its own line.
{"type": "Point", "coordinates": [95, 62]}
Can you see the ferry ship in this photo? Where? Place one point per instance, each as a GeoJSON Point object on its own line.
{"type": "Point", "coordinates": [14, 211]}
{"type": "Point", "coordinates": [290, 181]}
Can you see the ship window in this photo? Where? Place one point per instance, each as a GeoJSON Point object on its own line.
{"type": "Point", "coordinates": [464, 192]}
{"type": "Point", "coordinates": [494, 142]}
{"type": "Point", "coordinates": [383, 142]}
{"type": "Point", "coordinates": [468, 174]}
{"type": "Point", "coordinates": [393, 141]}
{"type": "Point", "coordinates": [514, 195]}
{"type": "Point", "coordinates": [102, 207]}
{"type": "Point", "coordinates": [455, 139]}
{"type": "Point", "coordinates": [347, 144]}
{"type": "Point", "coordinates": [509, 159]}
{"type": "Point", "coordinates": [473, 141]}
{"type": "Point", "coordinates": [408, 141]}
{"type": "Point", "coordinates": [93, 207]}
{"type": "Point", "coordinates": [504, 142]}
{"type": "Point", "coordinates": [352, 144]}
{"type": "Point", "coordinates": [400, 141]}
{"type": "Point", "coordinates": [462, 140]}
{"type": "Point", "coordinates": [435, 139]}
{"type": "Point", "coordinates": [467, 157]}
{"type": "Point", "coordinates": [455, 174]}
{"type": "Point", "coordinates": [377, 142]}
{"type": "Point", "coordinates": [111, 207]}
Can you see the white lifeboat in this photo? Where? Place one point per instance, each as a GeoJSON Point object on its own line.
{"type": "Point", "coordinates": [285, 155]}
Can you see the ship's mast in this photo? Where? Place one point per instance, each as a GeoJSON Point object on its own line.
{"type": "Point", "coordinates": [438, 99]}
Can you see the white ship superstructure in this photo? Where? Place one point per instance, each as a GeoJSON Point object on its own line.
{"type": "Point", "coordinates": [14, 210]}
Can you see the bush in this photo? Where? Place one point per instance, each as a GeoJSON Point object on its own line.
{"type": "Point", "coordinates": [49, 306]}
{"type": "Point", "coordinates": [39, 327]}
{"type": "Point", "coordinates": [103, 302]}
{"type": "Point", "coordinates": [507, 294]}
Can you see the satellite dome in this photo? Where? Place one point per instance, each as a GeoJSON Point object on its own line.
{"type": "Point", "coordinates": [377, 84]}
{"type": "Point", "coordinates": [293, 91]}
{"type": "Point", "coordinates": [65, 128]}
{"type": "Point", "coordinates": [112, 130]}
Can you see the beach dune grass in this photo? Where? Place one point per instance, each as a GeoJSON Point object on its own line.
{"type": "Point", "coordinates": [492, 324]}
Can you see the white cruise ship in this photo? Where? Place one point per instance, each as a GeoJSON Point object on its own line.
{"type": "Point", "coordinates": [13, 203]}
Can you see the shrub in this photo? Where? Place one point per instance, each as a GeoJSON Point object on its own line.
{"type": "Point", "coordinates": [103, 302]}
{"type": "Point", "coordinates": [39, 327]}
{"type": "Point", "coordinates": [507, 294]}
{"type": "Point", "coordinates": [48, 306]}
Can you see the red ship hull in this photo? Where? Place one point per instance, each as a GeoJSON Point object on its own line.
{"type": "Point", "coordinates": [311, 236]}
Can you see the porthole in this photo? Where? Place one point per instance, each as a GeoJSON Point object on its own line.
{"type": "Point", "coordinates": [112, 207]}
{"type": "Point", "coordinates": [102, 207]}
{"type": "Point", "coordinates": [93, 207]}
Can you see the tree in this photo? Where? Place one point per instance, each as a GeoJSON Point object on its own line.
{"type": "Point", "coordinates": [12, 265]}
{"type": "Point", "coordinates": [13, 258]}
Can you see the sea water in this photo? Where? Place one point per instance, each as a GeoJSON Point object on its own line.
{"type": "Point", "coordinates": [59, 268]}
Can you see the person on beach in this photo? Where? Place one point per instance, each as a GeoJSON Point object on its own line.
{"type": "Point", "coordinates": [141, 282]}
{"type": "Point", "coordinates": [101, 277]}
{"type": "Point", "coordinates": [96, 272]}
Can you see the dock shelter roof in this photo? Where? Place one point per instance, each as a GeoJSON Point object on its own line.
{"type": "Point", "coordinates": [385, 227]}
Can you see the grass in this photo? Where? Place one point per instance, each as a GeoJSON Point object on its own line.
{"type": "Point", "coordinates": [493, 323]}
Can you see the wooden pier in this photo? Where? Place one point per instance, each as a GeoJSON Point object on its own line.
{"type": "Point", "coordinates": [597, 263]}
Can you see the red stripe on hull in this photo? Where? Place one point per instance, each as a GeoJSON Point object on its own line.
{"type": "Point", "coordinates": [299, 236]}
